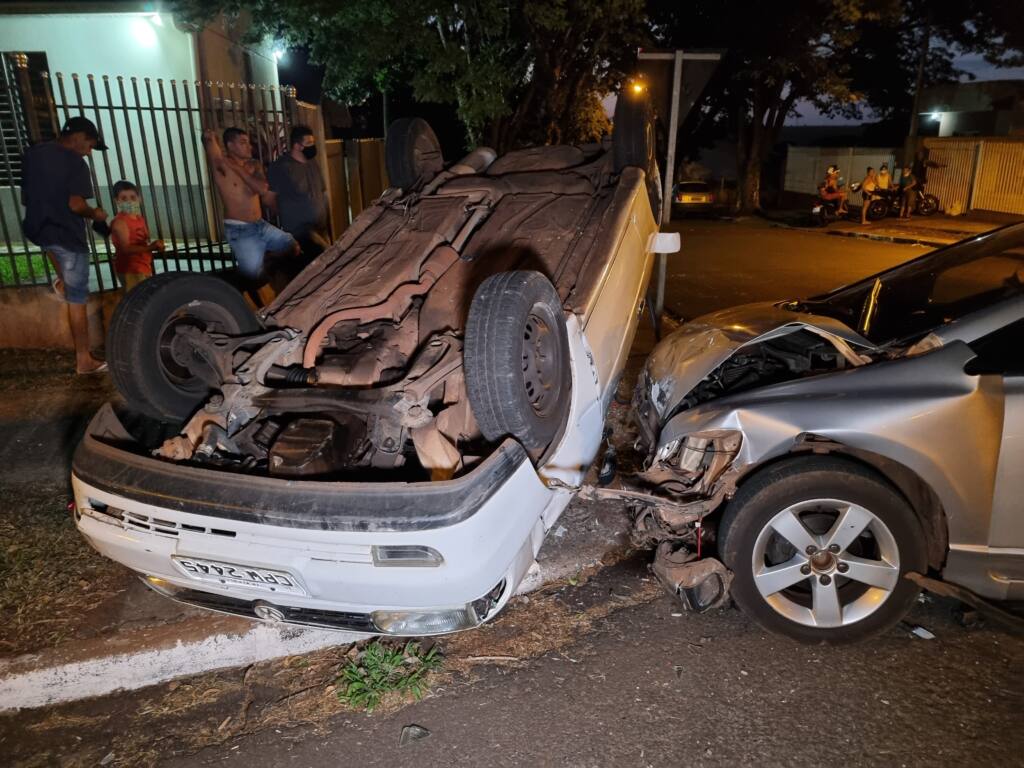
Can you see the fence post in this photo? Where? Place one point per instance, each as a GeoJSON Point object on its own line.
{"type": "Point", "coordinates": [975, 174]}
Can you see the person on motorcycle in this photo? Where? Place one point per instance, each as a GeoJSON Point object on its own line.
{"type": "Point", "coordinates": [868, 192]}
{"type": "Point", "coordinates": [831, 192]}
{"type": "Point", "coordinates": [908, 189]}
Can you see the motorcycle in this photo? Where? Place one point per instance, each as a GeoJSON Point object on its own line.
{"type": "Point", "coordinates": [826, 211]}
{"type": "Point", "coordinates": [889, 201]}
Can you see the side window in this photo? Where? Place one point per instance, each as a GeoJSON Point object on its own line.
{"type": "Point", "coordinates": [1001, 351]}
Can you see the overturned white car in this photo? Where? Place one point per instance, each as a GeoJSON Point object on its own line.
{"type": "Point", "coordinates": [384, 448]}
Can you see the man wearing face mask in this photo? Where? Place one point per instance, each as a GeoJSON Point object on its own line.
{"type": "Point", "coordinates": [296, 180]}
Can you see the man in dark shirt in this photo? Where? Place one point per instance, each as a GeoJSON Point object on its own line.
{"type": "Point", "coordinates": [298, 184]}
{"type": "Point", "coordinates": [55, 186]}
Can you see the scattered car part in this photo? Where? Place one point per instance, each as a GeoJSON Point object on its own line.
{"type": "Point", "coordinates": [699, 584]}
{"type": "Point", "coordinates": [1004, 618]}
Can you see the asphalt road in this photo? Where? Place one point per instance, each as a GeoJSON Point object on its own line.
{"type": "Point", "coordinates": [723, 264]}
{"type": "Point", "coordinates": [651, 687]}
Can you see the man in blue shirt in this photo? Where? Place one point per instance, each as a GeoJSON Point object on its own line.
{"type": "Point", "coordinates": [55, 186]}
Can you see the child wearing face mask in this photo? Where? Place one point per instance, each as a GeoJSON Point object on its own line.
{"type": "Point", "coordinates": [133, 250]}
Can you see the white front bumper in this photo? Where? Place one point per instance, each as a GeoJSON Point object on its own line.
{"type": "Point", "coordinates": [497, 544]}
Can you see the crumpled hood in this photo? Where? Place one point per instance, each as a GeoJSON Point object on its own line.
{"type": "Point", "coordinates": [682, 359]}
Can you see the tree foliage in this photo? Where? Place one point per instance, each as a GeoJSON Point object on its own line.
{"type": "Point", "coordinates": [518, 70]}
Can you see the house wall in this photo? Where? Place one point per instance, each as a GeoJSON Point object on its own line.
{"type": "Point", "coordinates": [157, 62]}
{"type": "Point", "coordinates": [143, 45]}
{"type": "Point", "coordinates": [805, 166]}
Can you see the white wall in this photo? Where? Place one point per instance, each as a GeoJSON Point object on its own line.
{"type": "Point", "coordinates": [805, 166]}
{"type": "Point", "coordinates": [103, 44]}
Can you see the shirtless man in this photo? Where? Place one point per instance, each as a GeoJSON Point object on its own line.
{"type": "Point", "coordinates": [242, 187]}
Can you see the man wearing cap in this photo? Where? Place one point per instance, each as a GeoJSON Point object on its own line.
{"type": "Point", "coordinates": [55, 185]}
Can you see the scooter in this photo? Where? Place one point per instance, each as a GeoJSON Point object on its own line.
{"type": "Point", "coordinates": [889, 201]}
{"type": "Point", "coordinates": [825, 212]}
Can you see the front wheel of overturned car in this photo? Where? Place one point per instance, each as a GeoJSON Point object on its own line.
{"type": "Point", "coordinates": [152, 366]}
{"type": "Point", "coordinates": [820, 547]}
{"type": "Point", "coordinates": [516, 359]}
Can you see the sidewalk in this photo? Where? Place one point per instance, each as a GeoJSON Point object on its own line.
{"type": "Point", "coordinates": [82, 626]}
{"type": "Point", "coordinates": [934, 231]}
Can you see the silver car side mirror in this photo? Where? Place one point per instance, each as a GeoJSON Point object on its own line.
{"type": "Point", "coordinates": [664, 242]}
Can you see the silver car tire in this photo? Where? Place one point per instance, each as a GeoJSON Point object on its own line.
{"type": "Point", "coordinates": [819, 547]}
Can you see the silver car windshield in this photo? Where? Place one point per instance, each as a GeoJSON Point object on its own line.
{"type": "Point", "coordinates": [909, 301]}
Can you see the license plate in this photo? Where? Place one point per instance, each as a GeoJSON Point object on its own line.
{"type": "Point", "coordinates": [694, 199]}
{"type": "Point", "coordinates": [216, 572]}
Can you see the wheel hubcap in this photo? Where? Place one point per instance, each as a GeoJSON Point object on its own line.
{"type": "Point", "coordinates": [825, 563]}
{"type": "Point", "coordinates": [540, 364]}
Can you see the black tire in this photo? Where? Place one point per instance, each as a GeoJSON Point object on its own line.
{"type": "Point", "coordinates": [144, 371]}
{"type": "Point", "coordinates": [805, 479]}
{"type": "Point", "coordinates": [634, 144]}
{"type": "Point", "coordinates": [877, 209]}
{"type": "Point", "coordinates": [412, 153]}
{"type": "Point", "coordinates": [516, 359]}
{"type": "Point", "coordinates": [927, 205]}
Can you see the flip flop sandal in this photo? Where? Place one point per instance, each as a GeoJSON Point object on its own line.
{"type": "Point", "coordinates": [98, 369]}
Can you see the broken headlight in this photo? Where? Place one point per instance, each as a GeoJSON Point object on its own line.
{"type": "Point", "coordinates": [701, 456]}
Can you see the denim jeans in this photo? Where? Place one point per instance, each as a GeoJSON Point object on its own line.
{"type": "Point", "coordinates": [74, 271]}
{"type": "Point", "coordinates": [251, 241]}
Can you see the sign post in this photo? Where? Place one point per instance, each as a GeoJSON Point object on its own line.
{"type": "Point", "coordinates": [677, 58]}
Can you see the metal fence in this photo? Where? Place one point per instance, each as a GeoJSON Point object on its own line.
{"type": "Point", "coordinates": [978, 173]}
{"type": "Point", "coordinates": [153, 128]}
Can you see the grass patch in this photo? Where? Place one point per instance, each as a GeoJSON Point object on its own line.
{"type": "Point", "coordinates": [381, 669]}
{"type": "Point", "coordinates": [49, 576]}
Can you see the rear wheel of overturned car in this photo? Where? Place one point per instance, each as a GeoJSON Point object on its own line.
{"type": "Point", "coordinates": [819, 547]}
{"type": "Point", "coordinates": [153, 369]}
{"type": "Point", "coordinates": [516, 359]}
{"type": "Point", "coordinates": [633, 143]}
{"type": "Point", "coordinates": [412, 152]}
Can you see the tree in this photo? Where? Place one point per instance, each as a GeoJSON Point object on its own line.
{"type": "Point", "coordinates": [842, 56]}
{"type": "Point", "coordinates": [777, 55]}
{"type": "Point", "coordinates": [519, 71]}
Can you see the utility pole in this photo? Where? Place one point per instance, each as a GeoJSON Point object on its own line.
{"type": "Point", "coordinates": [915, 116]}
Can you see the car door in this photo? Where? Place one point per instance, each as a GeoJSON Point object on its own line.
{"type": "Point", "coordinates": [1001, 353]}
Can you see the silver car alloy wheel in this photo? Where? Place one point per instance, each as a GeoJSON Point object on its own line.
{"type": "Point", "coordinates": [825, 583]}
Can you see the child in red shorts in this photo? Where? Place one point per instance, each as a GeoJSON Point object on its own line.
{"type": "Point", "coordinates": [133, 250]}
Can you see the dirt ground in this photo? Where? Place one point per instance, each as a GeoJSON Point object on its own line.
{"type": "Point", "coordinates": [182, 717]}
{"type": "Point", "coordinates": [51, 581]}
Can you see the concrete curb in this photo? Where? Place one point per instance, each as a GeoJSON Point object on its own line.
{"type": "Point", "coordinates": [903, 240]}
{"type": "Point", "coordinates": [138, 658]}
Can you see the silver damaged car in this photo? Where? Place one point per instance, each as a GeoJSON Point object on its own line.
{"type": "Point", "coordinates": [833, 449]}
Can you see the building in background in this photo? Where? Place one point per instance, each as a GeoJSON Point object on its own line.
{"type": "Point", "coordinates": [132, 38]}
{"type": "Point", "coordinates": [980, 108]}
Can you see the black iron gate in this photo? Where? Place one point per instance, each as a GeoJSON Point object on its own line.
{"type": "Point", "coordinates": [153, 128]}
